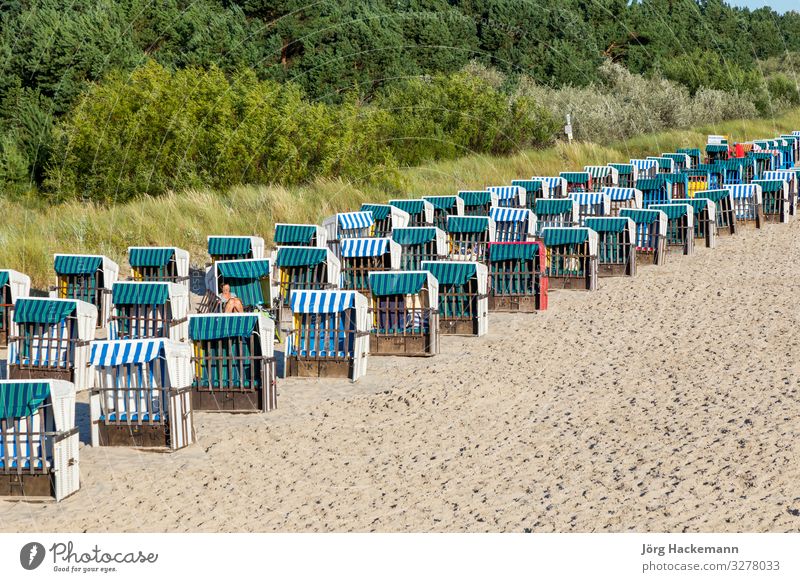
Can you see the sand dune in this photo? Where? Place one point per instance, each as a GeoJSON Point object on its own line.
{"type": "Point", "coordinates": [665, 403]}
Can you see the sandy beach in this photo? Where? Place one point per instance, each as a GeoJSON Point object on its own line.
{"type": "Point", "coordinates": [664, 403]}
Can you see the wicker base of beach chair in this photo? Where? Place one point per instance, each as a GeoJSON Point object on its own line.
{"type": "Point", "coordinates": [518, 303]}
{"type": "Point", "coordinates": [656, 257]}
{"type": "Point", "coordinates": [318, 368]}
{"type": "Point", "coordinates": [458, 326]}
{"type": "Point", "coordinates": [13, 484]}
{"type": "Point", "coordinates": [227, 400]}
{"type": "Point", "coordinates": [16, 372]}
{"type": "Point", "coordinates": [587, 283]}
{"type": "Point", "coordinates": [616, 270]}
{"type": "Point", "coordinates": [398, 345]}
{"type": "Point", "coordinates": [133, 435]}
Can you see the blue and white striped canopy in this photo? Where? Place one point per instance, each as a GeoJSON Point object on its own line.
{"type": "Point", "coordinates": [742, 190]}
{"type": "Point", "coordinates": [551, 181]}
{"type": "Point", "coordinates": [644, 164]}
{"type": "Point", "coordinates": [597, 171]}
{"type": "Point", "coordinates": [364, 247]}
{"type": "Point", "coordinates": [785, 175]}
{"type": "Point", "coordinates": [321, 301]}
{"type": "Point", "coordinates": [619, 194]}
{"type": "Point", "coordinates": [507, 192]}
{"type": "Point", "coordinates": [120, 352]}
{"type": "Point", "coordinates": [587, 198]}
{"type": "Point", "coordinates": [510, 214]}
{"type": "Point", "coordinates": [353, 220]}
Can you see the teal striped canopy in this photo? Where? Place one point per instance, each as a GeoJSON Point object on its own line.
{"type": "Point", "coordinates": [735, 164]}
{"type": "Point", "coordinates": [451, 274]}
{"type": "Point", "coordinates": [697, 203]}
{"type": "Point", "coordinates": [513, 251]}
{"type": "Point", "coordinates": [606, 224]}
{"type": "Point", "coordinates": [213, 327]}
{"type": "Point", "coordinates": [379, 211]}
{"type": "Point", "coordinates": [550, 206]}
{"type": "Point", "coordinates": [383, 284]}
{"type": "Point", "coordinates": [552, 237]}
{"type": "Point", "coordinates": [3, 278]}
{"type": "Point", "coordinates": [124, 293]}
{"type": "Point", "coordinates": [672, 211]}
{"type": "Point", "coordinates": [463, 224]}
{"type": "Point", "coordinates": [640, 216]}
{"type": "Point", "coordinates": [300, 257]}
{"type": "Point", "coordinates": [713, 195]}
{"type": "Point", "coordinates": [18, 399]}
{"type": "Point", "coordinates": [575, 177]}
{"type": "Point", "coordinates": [716, 148]}
{"type": "Point", "coordinates": [30, 310]}
{"type": "Point", "coordinates": [294, 234]}
{"type": "Point", "coordinates": [410, 206]}
{"type": "Point", "coordinates": [770, 185]}
{"type": "Point", "coordinates": [623, 169]}
{"type": "Point", "coordinates": [413, 236]}
{"type": "Point", "coordinates": [252, 269]}
{"type": "Point", "coordinates": [476, 197]}
{"type": "Point", "coordinates": [150, 257]}
{"type": "Point", "coordinates": [647, 184]}
{"type": "Point", "coordinates": [77, 264]}
{"type": "Point", "coordinates": [442, 202]}
{"type": "Point", "coordinates": [529, 185]}
{"type": "Point", "coordinates": [229, 245]}
{"type": "Point", "coordinates": [692, 152]}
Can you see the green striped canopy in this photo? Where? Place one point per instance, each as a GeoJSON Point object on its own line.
{"type": "Point", "coordinates": [382, 284]}
{"type": "Point", "coordinates": [379, 211]}
{"type": "Point", "coordinates": [229, 245]}
{"type": "Point", "coordinates": [529, 185]}
{"type": "Point", "coordinates": [3, 278]}
{"type": "Point", "coordinates": [150, 257]}
{"type": "Point", "coordinates": [697, 203]}
{"type": "Point", "coordinates": [672, 211]}
{"type": "Point", "coordinates": [125, 293]}
{"type": "Point", "coordinates": [770, 185]}
{"type": "Point", "coordinates": [18, 399]}
{"type": "Point", "coordinates": [735, 164]}
{"type": "Point", "coordinates": [455, 274]}
{"type": "Point", "coordinates": [413, 236]}
{"type": "Point", "coordinates": [549, 206]}
{"type": "Point", "coordinates": [564, 236]}
{"type": "Point", "coordinates": [623, 169]}
{"type": "Point", "coordinates": [714, 195]}
{"type": "Point", "coordinates": [467, 224]}
{"type": "Point", "coordinates": [29, 310]}
{"type": "Point", "coordinates": [646, 184]}
{"type": "Point", "coordinates": [760, 155]}
{"type": "Point", "coordinates": [410, 206]}
{"type": "Point", "coordinates": [692, 152]}
{"type": "Point", "coordinates": [244, 269]}
{"type": "Point", "coordinates": [639, 216]}
{"type": "Point", "coordinates": [716, 148]}
{"type": "Point", "coordinates": [663, 162]}
{"type": "Point", "coordinates": [213, 327]}
{"type": "Point", "coordinates": [695, 172]}
{"type": "Point", "coordinates": [442, 202]}
{"type": "Point", "coordinates": [513, 251]}
{"type": "Point", "coordinates": [476, 197]}
{"type": "Point", "coordinates": [713, 168]}
{"type": "Point", "coordinates": [77, 264]}
{"type": "Point", "coordinates": [575, 177]}
{"type": "Point", "coordinates": [606, 224]}
{"type": "Point", "coordinates": [294, 234]}
{"type": "Point", "coordinates": [300, 257]}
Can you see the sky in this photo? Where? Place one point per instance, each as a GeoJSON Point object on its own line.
{"type": "Point", "coordinates": [776, 5]}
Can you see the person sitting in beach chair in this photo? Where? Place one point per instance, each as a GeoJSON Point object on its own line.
{"type": "Point", "coordinates": [230, 302]}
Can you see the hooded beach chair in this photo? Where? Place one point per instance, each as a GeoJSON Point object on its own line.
{"type": "Point", "coordinates": [794, 141]}
{"type": "Point", "coordinates": [346, 225]}
{"type": "Point", "coordinates": [330, 335]}
{"type": "Point", "coordinates": [556, 212]}
{"type": "Point", "coordinates": [142, 394]}
{"type": "Point", "coordinates": [697, 180]}
{"type": "Point", "coordinates": [39, 440]}
{"type": "Point", "coordinates": [468, 237]}
{"type": "Point", "coordinates": [723, 209]}
{"type": "Point", "coordinates": [620, 198]}
{"type": "Point", "coordinates": [420, 243]}
{"type": "Point", "coordinates": [791, 179]}
{"type": "Point", "coordinates": [571, 257]}
{"type": "Point", "coordinates": [463, 299]}
{"type": "Point", "coordinates": [159, 264]}
{"type": "Point", "coordinates": [405, 313]}
{"type": "Point", "coordinates": [680, 226]}
{"type": "Point", "coordinates": [716, 152]}
{"type": "Point", "coordinates": [234, 248]}
{"type": "Point", "coordinates": [695, 155]}
{"type": "Point", "coordinates": [628, 174]}
{"type": "Point", "coordinates": [386, 218]}
{"type": "Point", "coordinates": [444, 206]}
{"type": "Point", "coordinates": [591, 204]}
{"type": "Point", "coordinates": [250, 280]}
{"type": "Point", "coordinates": [747, 204]}
{"type": "Point", "coordinates": [478, 202]}
{"type": "Point", "coordinates": [577, 181]}
{"type": "Point", "coordinates": [732, 171]}
{"type": "Point", "coordinates": [300, 235]}
{"type": "Point", "coordinates": [682, 161]}
{"type": "Point", "coordinates": [556, 185]}
{"type": "Point", "coordinates": [420, 211]}
{"type": "Point", "coordinates": [517, 280]}
{"type": "Point", "coordinates": [50, 339]}
{"type": "Point", "coordinates": [645, 168]}
{"type": "Point", "coordinates": [775, 200]}
{"type": "Point", "coordinates": [654, 191]}
{"type": "Point", "coordinates": [513, 224]}
{"type": "Point", "coordinates": [603, 176]}
{"type": "Point", "coordinates": [705, 220]}
{"type": "Point", "coordinates": [233, 362]}
{"type": "Point", "coordinates": [305, 268]}
{"type": "Point", "coordinates": [534, 189]}
{"type": "Point", "coordinates": [616, 245]}
{"type": "Point", "coordinates": [362, 255]}
{"type": "Point", "coordinates": [510, 196]}
{"type": "Point", "coordinates": [651, 235]}
{"type": "Point", "coordinates": [13, 285]}
{"type": "Point", "coordinates": [665, 165]}
{"type": "Point", "coordinates": [762, 162]}
{"type": "Point", "coordinates": [149, 310]}
{"type": "Point", "coordinates": [88, 278]}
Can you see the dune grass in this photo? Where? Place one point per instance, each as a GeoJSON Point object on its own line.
{"type": "Point", "coordinates": [31, 231]}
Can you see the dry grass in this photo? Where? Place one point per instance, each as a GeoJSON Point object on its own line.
{"type": "Point", "coordinates": [32, 232]}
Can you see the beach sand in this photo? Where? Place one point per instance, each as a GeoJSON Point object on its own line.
{"type": "Point", "coordinates": [668, 402]}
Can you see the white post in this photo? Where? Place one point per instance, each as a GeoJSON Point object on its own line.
{"type": "Point", "coordinates": [568, 128]}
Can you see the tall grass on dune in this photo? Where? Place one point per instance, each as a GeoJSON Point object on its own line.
{"type": "Point", "coordinates": [32, 231]}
